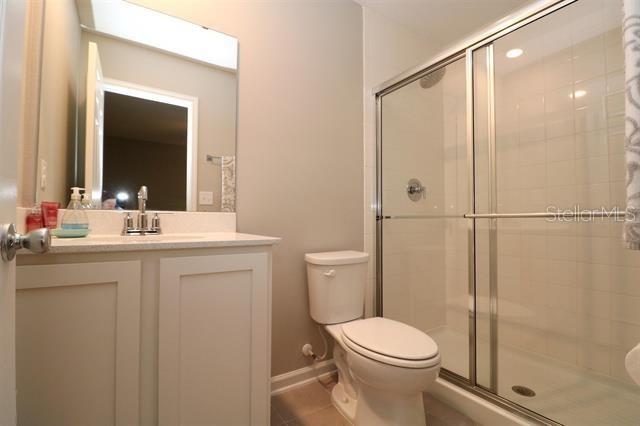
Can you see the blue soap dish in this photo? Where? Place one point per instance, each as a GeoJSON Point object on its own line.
{"type": "Point", "coordinates": [70, 233]}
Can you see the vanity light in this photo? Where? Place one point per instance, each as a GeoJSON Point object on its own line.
{"type": "Point", "coordinates": [514, 53]}
{"type": "Point", "coordinates": [125, 20]}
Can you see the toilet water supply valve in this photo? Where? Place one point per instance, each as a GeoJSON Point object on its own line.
{"type": "Point", "coordinates": [307, 348]}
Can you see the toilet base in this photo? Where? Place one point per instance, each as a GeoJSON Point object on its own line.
{"type": "Point", "coordinates": [379, 408]}
{"type": "Point", "coordinates": [344, 403]}
{"type": "Point", "coordinates": [390, 396]}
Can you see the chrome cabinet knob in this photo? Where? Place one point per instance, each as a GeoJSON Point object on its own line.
{"type": "Point", "coordinates": [37, 241]}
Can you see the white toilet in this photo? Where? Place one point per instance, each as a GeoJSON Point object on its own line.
{"type": "Point", "coordinates": [383, 365]}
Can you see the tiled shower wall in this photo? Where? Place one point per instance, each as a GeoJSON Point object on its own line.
{"type": "Point", "coordinates": [567, 290]}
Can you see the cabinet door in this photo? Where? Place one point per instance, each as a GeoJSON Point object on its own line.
{"type": "Point", "coordinates": [214, 340]}
{"type": "Point", "coordinates": [78, 343]}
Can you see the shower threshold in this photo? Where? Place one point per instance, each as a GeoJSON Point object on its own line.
{"type": "Point", "coordinates": [563, 392]}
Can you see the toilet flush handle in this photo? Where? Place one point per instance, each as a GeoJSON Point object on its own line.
{"type": "Point", "coordinates": [330, 273]}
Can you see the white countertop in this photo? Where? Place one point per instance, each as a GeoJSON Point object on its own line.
{"type": "Point", "coordinates": [113, 243]}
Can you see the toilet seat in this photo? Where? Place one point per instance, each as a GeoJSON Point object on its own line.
{"type": "Point", "coordinates": [391, 342]}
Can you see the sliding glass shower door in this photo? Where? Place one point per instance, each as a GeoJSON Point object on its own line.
{"type": "Point", "coordinates": [560, 323]}
{"type": "Point", "coordinates": [424, 195]}
{"type": "Point", "coordinates": [485, 163]}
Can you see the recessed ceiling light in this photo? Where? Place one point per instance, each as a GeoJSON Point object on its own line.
{"type": "Point", "coordinates": [514, 53]}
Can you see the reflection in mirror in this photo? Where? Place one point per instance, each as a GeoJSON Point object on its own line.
{"type": "Point", "coordinates": [135, 128]}
{"type": "Point", "coordinates": [132, 97]}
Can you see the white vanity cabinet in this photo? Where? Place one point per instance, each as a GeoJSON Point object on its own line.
{"type": "Point", "coordinates": [217, 374]}
{"type": "Point", "coordinates": [78, 343]}
{"type": "Point", "coordinates": [166, 337]}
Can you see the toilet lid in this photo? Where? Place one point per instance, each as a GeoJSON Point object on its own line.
{"type": "Point", "coordinates": [393, 341]}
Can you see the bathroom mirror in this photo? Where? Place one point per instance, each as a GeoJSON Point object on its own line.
{"type": "Point", "coordinates": [130, 97]}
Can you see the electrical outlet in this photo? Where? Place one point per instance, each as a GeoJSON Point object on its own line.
{"type": "Point", "coordinates": [43, 174]}
{"type": "Point", "coordinates": [205, 198]}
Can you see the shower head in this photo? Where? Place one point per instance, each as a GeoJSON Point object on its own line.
{"type": "Point", "coordinates": [431, 79]}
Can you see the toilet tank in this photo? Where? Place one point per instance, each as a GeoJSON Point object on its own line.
{"type": "Point", "coordinates": [336, 285]}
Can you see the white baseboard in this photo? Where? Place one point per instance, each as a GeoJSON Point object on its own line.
{"type": "Point", "coordinates": [293, 379]}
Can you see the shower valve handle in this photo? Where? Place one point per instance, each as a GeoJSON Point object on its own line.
{"type": "Point", "coordinates": [415, 190]}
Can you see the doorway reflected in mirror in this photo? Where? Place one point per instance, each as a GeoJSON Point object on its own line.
{"type": "Point", "coordinates": [139, 134]}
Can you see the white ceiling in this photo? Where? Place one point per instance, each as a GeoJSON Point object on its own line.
{"type": "Point", "coordinates": [443, 22]}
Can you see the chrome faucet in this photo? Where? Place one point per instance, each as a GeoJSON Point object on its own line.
{"type": "Point", "coordinates": [143, 195]}
{"type": "Point", "coordinates": [142, 227]}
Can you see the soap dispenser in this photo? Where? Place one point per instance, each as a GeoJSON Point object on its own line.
{"type": "Point", "coordinates": [74, 216]}
{"type": "Point", "coordinates": [87, 204]}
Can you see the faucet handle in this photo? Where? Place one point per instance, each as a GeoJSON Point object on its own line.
{"type": "Point", "coordinates": [128, 223]}
{"type": "Point", "coordinates": [155, 223]}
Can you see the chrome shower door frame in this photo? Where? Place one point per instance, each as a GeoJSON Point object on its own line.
{"type": "Point", "coordinates": [466, 50]}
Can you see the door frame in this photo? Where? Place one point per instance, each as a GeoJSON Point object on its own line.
{"type": "Point", "coordinates": [172, 98]}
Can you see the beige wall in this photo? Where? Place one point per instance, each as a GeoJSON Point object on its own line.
{"type": "Point", "coordinates": [58, 104]}
{"type": "Point", "coordinates": [215, 89]}
{"type": "Point", "coordinates": [300, 162]}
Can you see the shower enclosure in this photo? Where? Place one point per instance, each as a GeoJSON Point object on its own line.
{"type": "Point", "coordinates": [500, 168]}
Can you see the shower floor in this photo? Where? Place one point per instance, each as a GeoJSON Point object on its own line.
{"type": "Point", "coordinates": [564, 393]}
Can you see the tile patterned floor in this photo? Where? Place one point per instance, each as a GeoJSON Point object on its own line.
{"type": "Point", "coordinates": [310, 405]}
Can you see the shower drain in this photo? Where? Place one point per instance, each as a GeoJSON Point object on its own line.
{"type": "Point", "coordinates": [523, 390]}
